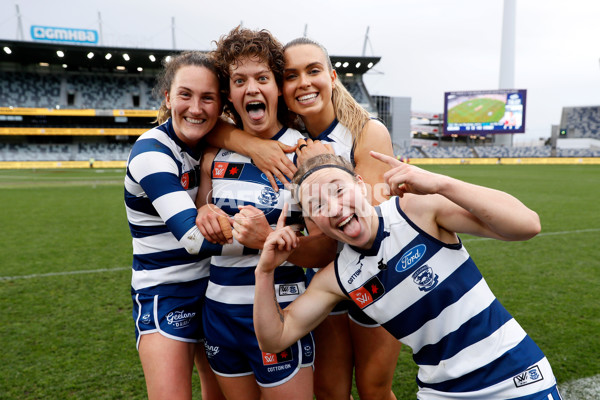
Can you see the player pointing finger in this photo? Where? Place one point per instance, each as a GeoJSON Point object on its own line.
{"type": "Point", "coordinates": [279, 244]}
{"type": "Point", "coordinates": [405, 178]}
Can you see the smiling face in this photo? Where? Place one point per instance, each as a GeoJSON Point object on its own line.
{"type": "Point", "coordinates": [308, 82]}
{"type": "Point", "coordinates": [254, 93]}
{"type": "Point", "coordinates": [335, 201]}
{"type": "Point", "coordinates": [194, 102]}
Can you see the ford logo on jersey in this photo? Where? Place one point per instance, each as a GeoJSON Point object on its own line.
{"type": "Point", "coordinates": [411, 258]}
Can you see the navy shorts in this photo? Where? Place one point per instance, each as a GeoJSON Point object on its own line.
{"type": "Point", "coordinates": [178, 318]}
{"type": "Point", "coordinates": [355, 314]}
{"type": "Point", "coordinates": [232, 349]}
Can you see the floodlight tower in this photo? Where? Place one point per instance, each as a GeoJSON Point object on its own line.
{"type": "Point", "coordinates": [19, 24]}
{"type": "Point", "coordinates": [507, 58]}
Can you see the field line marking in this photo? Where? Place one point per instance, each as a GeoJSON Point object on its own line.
{"type": "Point", "coordinates": [88, 271]}
{"type": "Point", "coordinates": [542, 234]}
{"type": "Point", "coordinates": [95, 271]}
{"type": "Point", "coordinates": [581, 389]}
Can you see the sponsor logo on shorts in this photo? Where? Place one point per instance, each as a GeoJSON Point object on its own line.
{"type": "Point", "coordinates": [411, 258]}
{"type": "Point", "coordinates": [368, 293]}
{"type": "Point", "coordinates": [289, 289]}
{"type": "Point", "coordinates": [180, 319]}
{"type": "Point", "coordinates": [274, 360]}
{"type": "Point", "coordinates": [425, 278]}
{"type": "Point", "coordinates": [211, 351]}
{"type": "Point", "coordinates": [532, 375]}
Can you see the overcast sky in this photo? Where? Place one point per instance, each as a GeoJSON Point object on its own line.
{"type": "Point", "coordinates": [426, 47]}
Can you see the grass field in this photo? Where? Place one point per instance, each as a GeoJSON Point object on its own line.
{"type": "Point", "coordinates": [66, 329]}
{"type": "Point", "coordinates": [476, 110]}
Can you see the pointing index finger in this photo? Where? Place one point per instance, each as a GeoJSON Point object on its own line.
{"type": "Point", "coordinates": [281, 219]}
{"type": "Point", "coordinates": [391, 161]}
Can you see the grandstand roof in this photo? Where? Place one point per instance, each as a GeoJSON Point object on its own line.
{"type": "Point", "coordinates": [77, 57]}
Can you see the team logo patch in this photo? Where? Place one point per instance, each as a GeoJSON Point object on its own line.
{"type": "Point", "coordinates": [227, 170]}
{"type": "Point", "coordinates": [180, 319]}
{"type": "Point", "coordinates": [425, 278]}
{"type": "Point", "coordinates": [289, 289]}
{"type": "Point", "coordinates": [308, 351]}
{"type": "Point", "coordinates": [268, 197]}
{"type": "Point", "coordinates": [411, 258]}
{"type": "Point", "coordinates": [528, 377]}
{"type": "Point", "coordinates": [368, 293]}
{"type": "Point", "coordinates": [146, 319]}
{"type": "Point", "coordinates": [272, 358]}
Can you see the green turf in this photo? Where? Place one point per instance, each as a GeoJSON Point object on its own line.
{"type": "Point", "coordinates": [477, 110]}
{"type": "Point", "coordinates": [71, 336]}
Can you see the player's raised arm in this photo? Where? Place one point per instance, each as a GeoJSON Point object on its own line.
{"type": "Point", "coordinates": [275, 328]}
{"type": "Point", "coordinates": [463, 207]}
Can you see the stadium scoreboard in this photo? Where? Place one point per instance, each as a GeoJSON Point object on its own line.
{"type": "Point", "coordinates": [484, 112]}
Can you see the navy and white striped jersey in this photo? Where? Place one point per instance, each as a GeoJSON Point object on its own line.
{"type": "Point", "coordinates": [237, 181]}
{"type": "Point", "coordinates": [431, 296]}
{"type": "Point", "coordinates": [170, 256]}
{"type": "Point", "coordinates": [341, 140]}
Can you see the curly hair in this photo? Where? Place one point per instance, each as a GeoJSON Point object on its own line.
{"type": "Point", "coordinates": [242, 43]}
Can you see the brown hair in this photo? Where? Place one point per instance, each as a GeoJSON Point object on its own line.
{"type": "Point", "coordinates": [317, 162]}
{"type": "Point", "coordinates": [347, 110]}
{"type": "Point", "coordinates": [242, 43]}
{"type": "Point", "coordinates": [167, 75]}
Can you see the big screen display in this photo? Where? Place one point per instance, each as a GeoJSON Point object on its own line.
{"type": "Point", "coordinates": [484, 112]}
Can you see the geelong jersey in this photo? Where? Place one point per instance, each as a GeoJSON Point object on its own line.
{"type": "Point", "coordinates": [431, 296]}
{"type": "Point", "coordinates": [237, 181]}
{"type": "Point", "coordinates": [340, 138]}
{"type": "Point", "coordinates": [170, 256]}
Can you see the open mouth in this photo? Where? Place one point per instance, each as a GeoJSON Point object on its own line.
{"type": "Point", "coordinates": [195, 121]}
{"type": "Point", "coordinates": [307, 97]}
{"type": "Point", "coordinates": [256, 110]}
{"type": "Point", "coordinates": [346, 221]}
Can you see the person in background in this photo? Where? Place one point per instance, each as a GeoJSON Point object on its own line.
{"type": "Point", "coordinates": [404, 265]}
{"type": "Point", "coordinates": [335, 122]}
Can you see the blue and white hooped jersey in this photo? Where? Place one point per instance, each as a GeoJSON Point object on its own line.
{"type": "Point", "coordinates": [170, 256]}
{"type": "Point", "coordinates": [236, 181]}
{"type": "Point", "coordinates": [431, 296]}
{"type": "Point", "coordinates": [341, 140]}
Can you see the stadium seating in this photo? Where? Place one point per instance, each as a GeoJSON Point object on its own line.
{"type": "Point", "coordinates": [581, 122]}
{"type": "Point", "coordinates": [25, 89]}
{"type": "Point", "coordinates": [75, 90]}
{"type": "Point", "coordinates": [448, 152]}
{"type": "Point", "coordinates": [64, 152]}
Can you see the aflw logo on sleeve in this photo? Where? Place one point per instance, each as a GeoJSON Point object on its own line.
{"type": "Point", "coordinates": [368, 293]}
{"type": "Point", "coordinates": [227, 170]}
{"type": "Point", "coordinates": [530, 376]}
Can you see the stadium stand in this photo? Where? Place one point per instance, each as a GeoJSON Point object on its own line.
{"type": "Point", "coordinates": [27, 89]}
{"type": "Point", "coordinates": [76, 90]}
{"type": "Point", "coordinates": [581, 122]}
{"type": "Point", "coordinates": [85, 104]}
{"type": "Point", "coordinates": [448, 152]}
{"type": "Point", "coordinates": [96, 109]}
